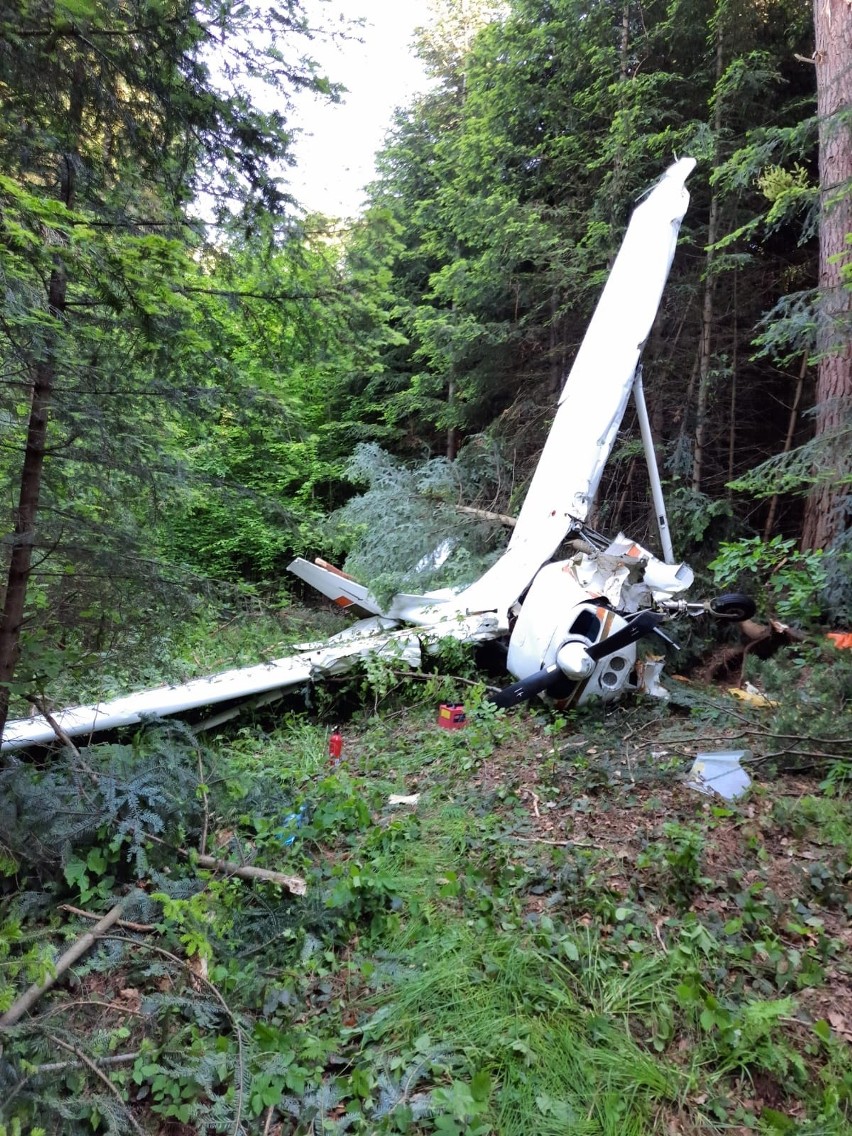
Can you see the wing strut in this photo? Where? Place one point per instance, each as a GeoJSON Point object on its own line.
{"type": "Point", "coordinates": [653, 472]}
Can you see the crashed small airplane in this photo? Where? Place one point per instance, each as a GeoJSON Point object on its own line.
{"type": "Point", "coordinates": [572, 625]}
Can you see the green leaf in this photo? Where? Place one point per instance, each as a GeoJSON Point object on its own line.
{"type": "Point", "coordinates": [570, 950]}
{"type": "Point", "coordinates": [822, 1029]}
{"type": "Point", "coordinates": [777, 1121]}
{"type": "Point", "coordinates": [480, 1086]}
{"type": "Point", "coordinates": [96, 861]}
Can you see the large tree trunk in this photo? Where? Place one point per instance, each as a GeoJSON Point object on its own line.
{"type": "Point", "coordinates": [23, 540]}
{"type": "Point", "coordinates": [827, 513]}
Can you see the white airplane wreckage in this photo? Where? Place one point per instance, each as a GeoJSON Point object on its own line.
{"type": "Point", "coordinates": [572, 625]}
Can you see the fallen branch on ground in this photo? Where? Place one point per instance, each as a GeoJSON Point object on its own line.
{"type": "Point", "coordinates": [101, 1062]}
{"type": "Point", "coordinates": [143, 928]}
{"type": "Point", "coordinates": [294, 884]}
{"type": "Point", "coordinates": [21, 1005]}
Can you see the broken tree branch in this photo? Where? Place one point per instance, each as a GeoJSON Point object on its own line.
{"type": "Point", "coordinates": [143, 928]}
{"type": "Point", "coordinates": [556, 843]}
{"type": "Point", "coordinates": [101, 1062]}
{"type": "Point", "coordinates": [487, 515]}
{"type": "Point", "coordinates": [21, 1005]}
{"type": "Point", "coordinates": [41, 706]}
{"type": "Point", "coordinates": [294, 884]}
{"type": "Point", "coordinates": [52, 1067]}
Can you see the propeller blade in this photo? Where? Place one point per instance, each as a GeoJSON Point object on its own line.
{"type": "Point", "coordinates": [528, 687]}
{"type": "Point", "coordinates": [645, 623]}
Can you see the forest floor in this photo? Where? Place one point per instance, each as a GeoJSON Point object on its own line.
{"type": "Point", "coordinates": [550, 933]}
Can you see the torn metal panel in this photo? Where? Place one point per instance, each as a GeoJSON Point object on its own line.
{"type": "Point", "coordinates": [720, 773]}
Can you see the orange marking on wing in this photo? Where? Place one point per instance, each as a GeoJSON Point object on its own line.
{"type": "Point", "coordinates": [330, 568]}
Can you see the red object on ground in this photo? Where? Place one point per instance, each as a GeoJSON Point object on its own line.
{"type": "Point", "coordinates": [451, 716]}
{"type": "Point", "coordinates": [335, 747]}
{"type": "Point", "coordinates": [841, 639]}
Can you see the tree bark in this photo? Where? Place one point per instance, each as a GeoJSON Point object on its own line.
{"type": "Point", "coordinates": [32, 470]}
{"type": "Point", "coordinates": [827, 512]}
{"type": "Point", "coordinates": [452, 431]}
{"type": "Point", "coordinates": [43, 371]}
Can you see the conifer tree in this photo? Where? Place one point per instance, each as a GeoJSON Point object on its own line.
{"type": "Point", "coordinates": [116, 117]}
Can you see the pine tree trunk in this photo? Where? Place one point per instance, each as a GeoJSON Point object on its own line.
{"type": "Point", "coordinates": [769, 527]}
{"type": "Point", "coordinates": [452, 432]}
{"type": "Point", "coordinates": [43, 372]}
{"type": "Point", "coordinates": [20, 560]}
{"type": "Point", "coordinates": [826, 512]}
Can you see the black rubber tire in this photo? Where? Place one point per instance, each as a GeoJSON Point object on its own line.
{"type": "Point", "coordinates": [735, 607]}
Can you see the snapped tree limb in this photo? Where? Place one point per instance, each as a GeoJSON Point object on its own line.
{"type": "Point", "coordinates": [21, 1005]}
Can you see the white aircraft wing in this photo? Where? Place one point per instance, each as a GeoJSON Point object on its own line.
{"type": "Point", "coordinates": [345, 591]}
{"type": "Point", "coordinates": [337, 656]}
{"type": "Point", "coordinates": [594, 397]}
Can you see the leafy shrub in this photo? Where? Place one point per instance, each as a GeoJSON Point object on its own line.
{"type": "Point", "coordinates": [790, 582]}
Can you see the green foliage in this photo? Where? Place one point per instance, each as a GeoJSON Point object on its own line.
{"type": "Point", "coordinates": [446, 970]}
{"type": "Point", "coordinates": [429, 542]}
{"type": "Point", "coordinates": [694, 516]}
{"type": "Point", "coordinates": [150, 344]}
{"type": "Point", "coordinates": [810, 687]}
{"type": "Point", "coordinates": [107, 801]}
{"type": "Point", "coordinates": [790, 582]}
{"type": "Point", "coordinates": [676, 861]}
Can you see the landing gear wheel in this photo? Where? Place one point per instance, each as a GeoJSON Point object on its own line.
{"type": "Point", "coordinates": [733, 607]}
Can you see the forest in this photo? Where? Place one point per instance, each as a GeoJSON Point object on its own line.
{"type": "Point", "coordinates": [531, 925]}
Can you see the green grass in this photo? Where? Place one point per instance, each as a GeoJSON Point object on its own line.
{"type": "Point", "coordinates": [450, 970]}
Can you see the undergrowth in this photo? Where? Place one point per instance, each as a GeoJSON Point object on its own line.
{"type": "Point", "coordinates": [549, 934]}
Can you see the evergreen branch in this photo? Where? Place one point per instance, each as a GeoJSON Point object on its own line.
{"type": "Point", "coordinates": [214, 990]}
{"type": "Point", "coordinates": [78, 1053]}
{"type": "Point", "coordinates": [270, 297]}
{"type": "Point", "coordinates": [70, 31]}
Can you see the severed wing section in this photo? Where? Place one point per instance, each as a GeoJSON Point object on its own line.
{"type": "Point", "coordinates": [594, 397]}
{"type": "Point", "coordinates": [372, 637]}
{"type": "Point", "coordinates": [341, 589]}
